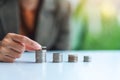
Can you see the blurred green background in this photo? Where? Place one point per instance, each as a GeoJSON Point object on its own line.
{"type": "Point", "coordinates": [95, 25]}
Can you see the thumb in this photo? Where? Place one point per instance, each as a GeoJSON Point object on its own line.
{"type": "Point", "coordinates": [29, 44]}
{"type": "Point", "coordinates": [36, 47]}
{"type": "Point", "coordinates": [28, 48]}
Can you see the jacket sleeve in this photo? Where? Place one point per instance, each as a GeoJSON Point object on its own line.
{"type": "Point", "coordinates": [2, 32]}
{"type": "Point", "coordinates": [63, 16]}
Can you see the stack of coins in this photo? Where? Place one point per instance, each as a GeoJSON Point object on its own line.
{"type": "Point", "coordinates": [86, 59]}
{"type": "Point", "coordinates": [72, 58]}
{"type": "Point", "coordinates": [57, 57]}
{"type": "Point", "coordinates": [41, 55]}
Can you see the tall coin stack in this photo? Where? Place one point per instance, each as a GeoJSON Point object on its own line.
{"type": "Point", "coordinates": [41, 55]}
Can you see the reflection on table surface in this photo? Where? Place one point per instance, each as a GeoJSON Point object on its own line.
{"type": "Point", "coordinates": [103, 65]}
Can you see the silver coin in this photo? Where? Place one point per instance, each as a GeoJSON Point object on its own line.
{"type": "Point", "coordinates": [72, 58]}
{"type": "Point", "coordinates": [57, 57]}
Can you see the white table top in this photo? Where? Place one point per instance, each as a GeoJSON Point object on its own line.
{"type": "Point", "coordinates": [104, 65]}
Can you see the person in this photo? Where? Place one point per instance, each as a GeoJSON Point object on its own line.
{"type": "Point", "coordinates": [25, 25]}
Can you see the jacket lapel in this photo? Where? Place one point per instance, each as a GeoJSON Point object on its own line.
{"type": "Point", "coordinates": [10, 16]}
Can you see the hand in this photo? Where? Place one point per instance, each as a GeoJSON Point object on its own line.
{"type": "Point", "coordinates": [13, 45]}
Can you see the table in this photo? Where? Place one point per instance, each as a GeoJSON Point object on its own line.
{"type": "Point", "coordinates": [104, 65]}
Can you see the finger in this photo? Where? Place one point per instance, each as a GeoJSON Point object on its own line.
{"type": "Point", "coordinates": [28, 48]}
{"type": "Point", "coordinates": [8, 43]}
{"type": "Point", "coordinates": [23, 39]}
{"type": "Point", "coordinates": [16, 46]}
{"type": "Point", "coordinates": [11, 53]}
{"type": "Point", "coordinates": [8, 59]}
{"type": "Point", "coordinates": [1, 56]}
{"type": "Point", "coordinates": [14, 53]}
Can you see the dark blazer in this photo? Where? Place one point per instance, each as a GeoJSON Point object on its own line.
{"type": "Point", "coordinates": [52, 24]}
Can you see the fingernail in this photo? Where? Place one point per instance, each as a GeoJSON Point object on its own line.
{"type": "Point", "coordinates": [37, 46]}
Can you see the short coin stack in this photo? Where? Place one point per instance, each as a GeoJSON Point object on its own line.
{"type": "Point", "coordinates": [57, 57]}
{"type": "Point", "coordinates": [72, 58]}
{"type": "Point", "coordinates": [41, 55]}
{"type": "Point", "coordinates": [86, 59]}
